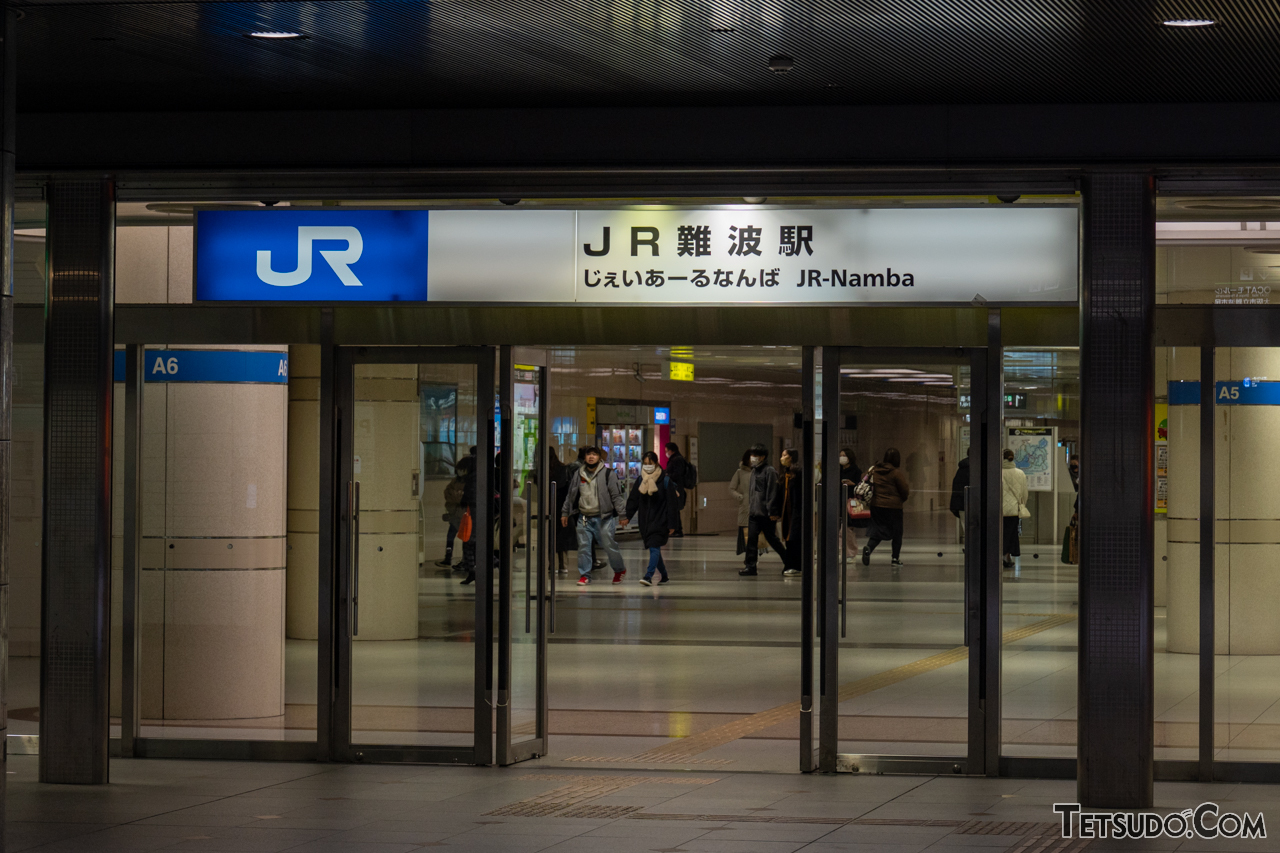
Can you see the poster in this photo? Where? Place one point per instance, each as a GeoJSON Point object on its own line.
{"type": "Point", "coordinates": [1034, 450]}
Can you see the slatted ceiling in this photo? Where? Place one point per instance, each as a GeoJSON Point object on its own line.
{"type": "Point", "coordinates": [372, 54]}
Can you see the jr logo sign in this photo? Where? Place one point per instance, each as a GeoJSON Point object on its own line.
{"type": "Point", "coordinates": [270, 255]}
{"type": "Point", "coordinates": [339, 260]}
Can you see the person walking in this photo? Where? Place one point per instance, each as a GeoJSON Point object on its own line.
{"type": "Point", "coordinates": [740, 488]}
{"type": "Point", "coordinates": [890, 493]}
{"type": "Point", "coordinates": [596, 497]}
{"type": "Point", "coordinates": [454, 509]}
{"type": "Point", "coordinates": [959, 483]}
{"type": "Point", "coordinates": [566, 535]}
{"type": "Point", "coordinates": [850, 476]}
{"type": "Point", "coordinates": [678, 471]}
{"type": "Point", "coordinates": [1013, 507]}
{"type": "Point", "coordinates": [764, 509]}
{"type": "Point", "coordinates": [653, 500]}
{"type": "Point", "coordinates": [791, 483]}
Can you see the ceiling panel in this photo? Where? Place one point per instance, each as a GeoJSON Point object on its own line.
{"type": "Point", "coordinates": [377, 55]}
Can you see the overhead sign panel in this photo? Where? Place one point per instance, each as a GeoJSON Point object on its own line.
{"type": "Point", "coordinates": [312, 255]}
{"type": "Point", "coordinates": [638, 257]}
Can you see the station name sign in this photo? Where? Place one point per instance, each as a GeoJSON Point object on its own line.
{"type": "Point", "coordinates": [640, 257]}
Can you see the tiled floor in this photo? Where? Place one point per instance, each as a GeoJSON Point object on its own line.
{"type": "Point", "coordinates": [634, 668]}
{"type": "Point", "coordinates": [229, 807]}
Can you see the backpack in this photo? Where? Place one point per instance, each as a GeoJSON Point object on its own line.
{"type": "Point", "coordinates": [690, 478]}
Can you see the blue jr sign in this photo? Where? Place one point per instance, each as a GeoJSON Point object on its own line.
{"type": "Point", "coordinates": [311, 255]}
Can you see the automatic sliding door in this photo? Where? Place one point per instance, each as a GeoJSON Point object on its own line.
{"type": "Point", "coordinates": [415, 471]}
{"type": "Point", "coordinates": [900, 573]}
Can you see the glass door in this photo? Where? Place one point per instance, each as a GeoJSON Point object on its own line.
{"type": "Point", "coordinates": [905, 443]}
{"type": "Point", "coordinates": [415, 480]}
{"type": "Point", "coordinates": [526, 571]}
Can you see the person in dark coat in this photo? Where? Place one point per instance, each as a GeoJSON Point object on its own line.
{"type": "Point", "coordinates": [654, 500]}
{"type": "Point", "coordinates": [959, 483]}
{"type": "Point", "coordinates": [791, 484]}
{"type": "Point", "coordinates": [677, 467]}
{"type": "Point", "coordinates": [891, 492]}
{"type": "Point", "coordinates": [566, 537]}
{"type": "Point", "coordinates": [765, 509]}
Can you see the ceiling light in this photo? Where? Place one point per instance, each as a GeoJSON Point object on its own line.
{"type": "Point", "coordinates": [781, 63]}
{"type": "Point", "coordinates": [1189, 22]}
{"type": "Point", "coordinates": [280, 35]}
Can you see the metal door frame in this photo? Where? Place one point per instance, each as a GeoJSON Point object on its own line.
{"type": "Point", "coordinates": [342, 584]}
{"type": "Point", "coordinates": [536, 605]}
{"type": "Point", "coordinates": [981, 556]}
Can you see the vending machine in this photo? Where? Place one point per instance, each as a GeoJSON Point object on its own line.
{"type": "Point", "coordinates": [623, 444]}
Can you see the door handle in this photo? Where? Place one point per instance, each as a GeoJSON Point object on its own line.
{"type": "Point", "coordinates": [553, 518]}
{"type": "Point", "coordinates": [528, 556]}
{"type": "Point", "coordinates": [353, 506]}
{"type": "Point", "coordinates": [844, 561]}
{"type": "Point", "coordinates": [969, 543]}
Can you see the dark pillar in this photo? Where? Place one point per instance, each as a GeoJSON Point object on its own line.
{"type": "Point", "coordinates": [1116, 695]}
{"type": "Point", "coordinates": [7, 66]}
{"type": "Point", "coordinates": [76, 584]}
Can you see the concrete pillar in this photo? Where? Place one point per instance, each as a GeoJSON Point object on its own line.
{"type": "Point", "coordinates": [303, 554]}
{"type": "Point", "coordinates": [386, 451]}
{"type": "Point", "coordinates": [224, 550]}
{"type": "Point", "coordinates": [1247, 549]}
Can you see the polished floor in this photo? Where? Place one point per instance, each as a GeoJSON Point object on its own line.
{"type": "Point", "coordinates": [229, 807]}
{"type": "Point", "coordinates": [704, 672]}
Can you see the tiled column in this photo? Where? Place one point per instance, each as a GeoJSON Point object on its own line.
{"type": "Point", "coordinates": [221, 562]}
{"type": "Point", "coordinates": [1117, 509]}
{"type": "Point", "coordinates": [74, 674]}
{"type": "Point", "coordinates": [386, 450]}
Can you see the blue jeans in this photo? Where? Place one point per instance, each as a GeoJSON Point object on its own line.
{"type": "Point", "coordinates": [589, 528]}
{"type": "Point", "coordinates": [655, 564]}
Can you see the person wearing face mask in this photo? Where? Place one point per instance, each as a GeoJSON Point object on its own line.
{"type": "Point", "coordinates": [594, 494]}
{"type": "Point", "coordinates": [765, 509]}
{"type": "Point", "coordinates": [654, 500]}
{"type": "Point", "coordinates": [791, 480]}
{"type": "Point", "coordinates": [850, 476]}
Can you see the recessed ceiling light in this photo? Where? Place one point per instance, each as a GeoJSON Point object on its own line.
{"type": "Point", "coordinates": [1190, 22]}
{"type": "Point", "coordinates": [279, 35]}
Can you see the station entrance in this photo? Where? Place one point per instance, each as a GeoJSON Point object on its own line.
{"type": "Point", "coordinates": [349, 532]}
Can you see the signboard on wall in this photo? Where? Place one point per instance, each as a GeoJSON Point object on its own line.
{"type": "Point", "coordinates": [750, 255]}
{"type": "Point", "coordinates": [1034, 450]}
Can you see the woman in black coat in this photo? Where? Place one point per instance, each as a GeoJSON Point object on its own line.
{"type": "Point", "coordinates": [654, 498]}
{"type": "Point", "coordinates": [566, 536]}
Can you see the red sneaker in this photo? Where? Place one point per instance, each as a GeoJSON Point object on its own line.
{"type": "Point", "coordinates": [617, 576]}
{"type": "Point", "coordinates": [583, 580]}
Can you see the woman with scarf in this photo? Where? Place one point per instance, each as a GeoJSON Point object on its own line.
{"type": "Point", "coordinates": [655, 500]}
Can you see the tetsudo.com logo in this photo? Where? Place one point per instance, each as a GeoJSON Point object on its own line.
{"type": "Point", "coordinates": [1204, 821]}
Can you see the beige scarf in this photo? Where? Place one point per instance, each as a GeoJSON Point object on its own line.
{"type": "Point", "coordinates": [649, 482]}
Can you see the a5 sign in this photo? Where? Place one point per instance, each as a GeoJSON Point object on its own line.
{"type": "Point", "coordinates": [1247, 392]}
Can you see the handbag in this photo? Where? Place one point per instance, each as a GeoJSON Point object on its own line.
{"type": "Point", "coordinates": [1023, 512]}
{"type": "Point", "coordinates": [865, 490]}
{"type": "Point", "coordinates": [858, 510]}
{"type": "Point", "coordinates": [465, 527]}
